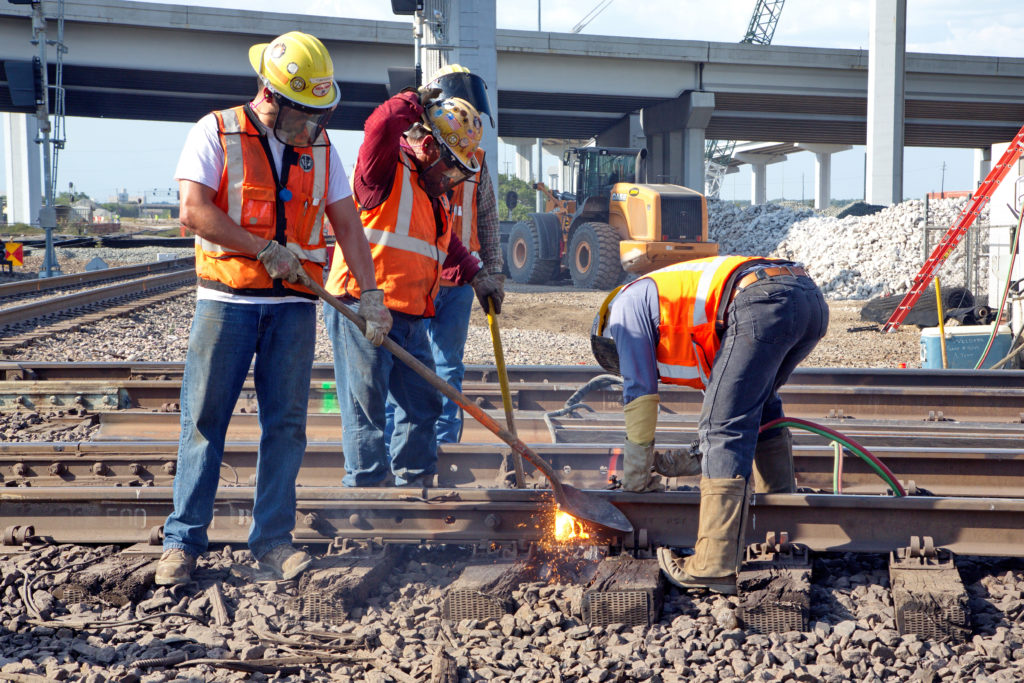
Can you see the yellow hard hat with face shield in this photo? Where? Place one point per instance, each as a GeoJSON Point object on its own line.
{"type": "Point", "coordinates": [456, 81]}
{"type": "Point", "coordinates": [298, 70]}
{"type": "Point", "coordinates": [455, 123]}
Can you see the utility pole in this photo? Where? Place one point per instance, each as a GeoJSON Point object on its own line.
{"type": "Point", "coordinates": [539, 176]}
{"type": "Point", "coordinates": [942, 185]}
{"type": "Point", "coordinates": [48, 213]}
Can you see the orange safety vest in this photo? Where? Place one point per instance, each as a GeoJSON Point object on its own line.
{"type": "Point", "coordinates": [689, 294]}
{"type": "Point", "coordinates": [249, 194]}
{"type": "Point", "coordinates": [407, 251]}
{"type": "Point", "coordinates": [464, 198]}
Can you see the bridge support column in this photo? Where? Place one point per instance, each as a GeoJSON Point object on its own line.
{"type": "Point", "coordinates": [823, 170]}
{"type": "Point", "coordinates": [886, 76]}
{"type": "Point", "coordinates": [759, 173]}
{"type": "Point", "coordinates": [675, 130]}
{"type": "Point", "coordinates": [626, 133]}
{"type": "Point", "coordinates": [982, 165]}
{"type": "Point", "coordinates": [22, 168]}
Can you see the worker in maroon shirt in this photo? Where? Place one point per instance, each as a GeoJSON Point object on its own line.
{"type": "Point", "coordinates": [418, 145]}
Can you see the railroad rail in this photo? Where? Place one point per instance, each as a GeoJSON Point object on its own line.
{"type": "Point", "coordinates": [24, 323]}
{"type": "Point", "coordinates": [34, 286]}
{"type": "Point", "coordinates": [969, 396]}
{"type": "Point", "coordinates": [509, 517]}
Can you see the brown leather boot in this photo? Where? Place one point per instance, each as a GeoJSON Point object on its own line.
{"type": "Point", "coordinates": [773, 464]}
{"type": "Point", "coordinates": [719, 549]}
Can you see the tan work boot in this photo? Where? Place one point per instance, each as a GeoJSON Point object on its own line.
{"type": "Point", "coordinates": [773, 464]}
{"type": "Point", "coordinates": [637, 462]}
{"type": "Point", "coordinates": [285, 561]}
{"type": "Point", "coordinates": [174, 568]}
{"type": "Point", "coordinates": [720, 533]}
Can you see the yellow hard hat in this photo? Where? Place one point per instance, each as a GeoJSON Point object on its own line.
{"type": "Point", "coordinates": [297, 66]}
{"type": "Point", "coordinates": [456, 124]}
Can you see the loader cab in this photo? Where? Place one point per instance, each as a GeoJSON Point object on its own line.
{"type": "Point", "coordinates": [597, 169]}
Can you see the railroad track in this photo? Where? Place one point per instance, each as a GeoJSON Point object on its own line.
{"type": "Point", "coordinates": [36, 287]}
{"type": "Point", "coordinates": [24, 323]}
{"type": "Point", "coordinates": [938, 396]}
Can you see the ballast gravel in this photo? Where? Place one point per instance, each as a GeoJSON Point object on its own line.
{"type": "Point", "coordinates": [852, 634]}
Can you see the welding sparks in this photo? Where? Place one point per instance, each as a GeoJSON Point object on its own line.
{"type": "Point", "coordinates": [568, 528]}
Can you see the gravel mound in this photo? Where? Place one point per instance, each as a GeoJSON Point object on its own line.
{"type": "Point", "coordinates": [851, 257]}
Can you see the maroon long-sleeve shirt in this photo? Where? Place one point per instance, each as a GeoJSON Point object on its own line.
{"type": "Point", "coordinates": [375, 173]}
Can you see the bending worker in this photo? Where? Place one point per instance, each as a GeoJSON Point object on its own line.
{"type": "Point", "coordinates": [735, 327]}
{"type": "Point", "coordinates": [417, 147]}
{"type": "Point", "coordinates": [256, 182]}
{"type": "Point", "coordinates": [474, 220]}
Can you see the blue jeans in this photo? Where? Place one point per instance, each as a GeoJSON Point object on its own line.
{"type": "Point", "coordinates": [771, 326]}
{"type": "Point", "coordinates": [446, 332]}
{"type": "Point", "coordinates": [367, 376]}
{"type": "Point", "coordinates": [224, 339]}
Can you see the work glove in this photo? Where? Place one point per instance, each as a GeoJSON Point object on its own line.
{"type": "Point", "coordinates": [677, 462]}
{"type": "Point", "coordinates": [489, 287]}
{"type": "Point", "coordinates": [637, 461]}
{"type": "Point", "coordinates": [280, 263]}
{"type": "Point", "coordinates": [428, 96]}
{"type": "Point", "coordinates": [376, 315]}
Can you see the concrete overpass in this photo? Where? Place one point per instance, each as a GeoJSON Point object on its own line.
{"type": "Point", "coordinates": [166, 63]}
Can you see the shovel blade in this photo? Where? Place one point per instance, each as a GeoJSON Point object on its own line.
{"type": "Point", "coordinates": [593, 509]}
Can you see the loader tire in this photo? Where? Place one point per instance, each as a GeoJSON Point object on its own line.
{"type": "Point", "coordinates": [594, 257]}
{"type": "Point", "coordinates": [525, 265]}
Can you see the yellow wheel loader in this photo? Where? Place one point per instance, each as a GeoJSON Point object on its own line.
{"type": "Point", "coordinates": [611, 225]}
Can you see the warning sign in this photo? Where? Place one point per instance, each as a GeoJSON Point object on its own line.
{"type": "Point", "coordinates": [13, 253]}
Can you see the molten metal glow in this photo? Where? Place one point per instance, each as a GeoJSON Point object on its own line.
{"type": "Point", "coordinates": [567, 528]}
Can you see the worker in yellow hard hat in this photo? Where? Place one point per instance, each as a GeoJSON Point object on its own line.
{"type": "Point", "coordinates": [257, 182]}
{"type": "Point", "coordinates": [418, 145]}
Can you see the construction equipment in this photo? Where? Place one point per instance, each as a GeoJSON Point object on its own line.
{"type": "Point", "coordinates": [956, 232]}
{"type": "Point", "coordinates": [614, 222]}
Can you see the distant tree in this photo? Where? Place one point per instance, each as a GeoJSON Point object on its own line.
{"type": "Point", "coordinates": [526, 204]}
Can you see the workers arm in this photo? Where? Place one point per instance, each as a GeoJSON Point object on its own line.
{"type": "Point", "coordinates": [203, 217]}
{"type": "Point", "coordinates": [348, 230]}
{"type": "Point", "coordinates": [487, 222]}
{"type": "Point", "coordinates": [375, 167]}
{"type": "Point", "coordinates": [460, 266]}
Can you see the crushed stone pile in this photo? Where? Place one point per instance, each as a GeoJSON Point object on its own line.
{"type": "Point", "coordinates": [854, 257]}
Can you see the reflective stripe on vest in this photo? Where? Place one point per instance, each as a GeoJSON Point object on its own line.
{"type": "Point", "coordinates": [464, 208]}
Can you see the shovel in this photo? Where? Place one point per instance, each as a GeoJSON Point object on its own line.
{"type": "Point", "coordinates": [506, 395]}
{"type": "Point", "coordinates": [582, 506]}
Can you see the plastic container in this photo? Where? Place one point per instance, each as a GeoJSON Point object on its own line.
{"type": "Point", "coordinates": [964, 346]}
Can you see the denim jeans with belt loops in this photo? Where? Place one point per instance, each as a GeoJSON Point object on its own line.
{"type": "Point", "coordinates": [224, 340]}
{"type": "Point", "coordinates": [367, 377]}
{"type": "Point", "coordinates": [771, 326]}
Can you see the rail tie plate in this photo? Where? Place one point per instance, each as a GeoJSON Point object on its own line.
{"type": "Point", "coordinates": [927, 592]}
{"type": "Point", "coordinates": [774, 585]}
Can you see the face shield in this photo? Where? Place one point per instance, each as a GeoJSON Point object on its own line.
{"type": "Point", "coordinates": [443, 173]}
{"type": "Point", "coordinates": [298, 125]}
{"type": "Point", "coordinates": [466, 86]}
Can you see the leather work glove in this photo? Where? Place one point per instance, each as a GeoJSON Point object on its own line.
{"type": "Point", "coordinates": [677, 462]}
{"type": "Point", "coordinates": [636, 468]}
{"type": "Point", "coordinates": [280, 263]}
{"type": "Point", "coordinates": [376, 315]}
{"type": "Point", "coordinates": [428, 96]}
{"type": "Point", "coordinates": [489, 287]}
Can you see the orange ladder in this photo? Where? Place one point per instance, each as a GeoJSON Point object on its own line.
{"type": "Point", "coordinates": [956, 232]}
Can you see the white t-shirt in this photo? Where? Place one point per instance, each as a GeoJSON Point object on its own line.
{"type": "Point", "coordinates": [202, 161]}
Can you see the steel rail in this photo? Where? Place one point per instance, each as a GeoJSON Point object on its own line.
{"type": "Point", "coordinates": [554, 374]}
{"type": "Point", "coordinates": [990, 404]}
{"type": "Point", "coordinates": [100, 296]}
{"type": "Point", "coordinates": [865, 524]}
{"type": "Point", "coordinates": [989, 471]}
{"type": "Point", "coordinates": [39, 285]}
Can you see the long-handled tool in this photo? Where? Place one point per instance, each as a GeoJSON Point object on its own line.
{"type": "Point", "coordinates": [583, 506]}
{"type": "Point", "coordinates": [506, 395]}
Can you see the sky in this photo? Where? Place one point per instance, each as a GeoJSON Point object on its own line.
{"type": "Point", "coordinates": [98, 162]}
